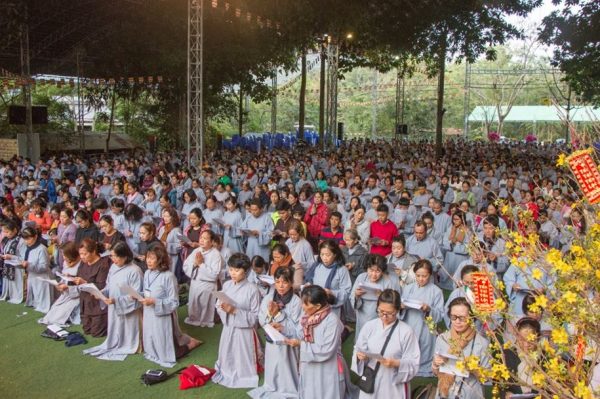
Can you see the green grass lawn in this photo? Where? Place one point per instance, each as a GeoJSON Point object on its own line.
{"type": "Point", "coordinates": [36, 367]}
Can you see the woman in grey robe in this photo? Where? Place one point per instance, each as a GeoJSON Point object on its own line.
{"type": "Point", "coordinates": [203, 266]}
{"type": "Point", "coordinates": [232, 237]}
{"type": "Point", "coordinates": [426, 300]}
{"type": "Point", "coordinates": [167, 234]}
{"type": "Point", "coordinates": [258, 227]}
{"type": "Point", "coordinates": [364, 301]}
{"type": "Point", "coordinates": [400, 361]}
{"type": "Point", "coordinates": [330, 273]}
{"type": "Point", "coordinates": [323, 371]}
{"type": "Point", "coordinates": [163, 341]}
{"type": "Point", "coordinates": [280, 309]}
{"type": "Point", "coordinates": [66, 309]}
{"type": "Point", "coordinates": [36, 261]}
{"type": "Point", "coordinates": [239, 347]}
{"type": "Point", "coordinates": [461, 341]}
{"type": "Point", "coordinates": [455, 244]}
{"type": "Point", "coordinates": [13, 272]}
{"type": "Point", "coordinates": [123, 337]}
{"type": "Point", "coordinates": [401, 261]}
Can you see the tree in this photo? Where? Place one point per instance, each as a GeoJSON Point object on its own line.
{"type": "Point", "coordinates": [577, 49]}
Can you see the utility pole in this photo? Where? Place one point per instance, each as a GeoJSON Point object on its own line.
{"type": "Point", "coordinates": [322, 98]}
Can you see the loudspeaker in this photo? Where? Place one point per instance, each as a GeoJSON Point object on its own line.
{"type": "Point", "coordinates": [401, 129]}
{"type": "Point", "coordinates": [17, 115]}
{"type": "Point", "coordinates": [340, 131]}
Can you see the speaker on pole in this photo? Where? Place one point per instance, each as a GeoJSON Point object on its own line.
{"type": "Point", "coordinates": [340, 131]}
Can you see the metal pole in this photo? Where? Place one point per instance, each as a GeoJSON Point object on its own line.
{"type": "Point", "coordinates": [466, 100]}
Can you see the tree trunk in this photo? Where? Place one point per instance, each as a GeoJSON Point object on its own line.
{"type": "Point", "coordinates": [440, 101]}
{"type": "Point", "coordinates": [111, 120]}
{"type": "Point", "coordinates": [322, 99]}
{"type": "Point", "coordinates": [241, 113]}
{"type": "Point", "coordinates": [302, 100]}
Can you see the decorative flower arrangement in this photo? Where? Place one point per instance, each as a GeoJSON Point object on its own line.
{"type": "Point", "coordinates": [493, 136]}
{"type": "Point", "coordinates": [559, 365]}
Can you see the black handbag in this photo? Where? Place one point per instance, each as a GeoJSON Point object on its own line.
{"type": "Point", "coordinates": [366, 383]}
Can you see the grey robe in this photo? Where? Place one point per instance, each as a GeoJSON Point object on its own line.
{"type": "Point", "coordinates": [66, 308]}
{"type": "Point", "coordinates": [455, 254]}
{"type": "Point", "coordinates": [366, 305]}
{"type": "Point", "coordinates": [281, 361]}
{"type": "Point", "coordinates": [427, 248]}
{"type": "Point", "coordinates": [301, 252]}
{"type": "Point", "coordinates": [39, 293]}
{"type": "Point", "coordinates": [232, 237]}
{"type": "Point", "coordinates": [239, 345]}
{"type": "Point", "coordinates": [203, 281]}
{"type": "Point", "coordinates": [123, 336]}
{"type": "Point", "coordinates": [340, 285]}
{"type": "Point", "coordinates": [470, 387]}
{"type": "Point", "coordinates": [172, 244]}
{"type": "Point", "coordinates": [432, 296]}
{"type": "Point", "coordinates": [12, 291]}
{"type": "Point", "coordinates": [158, 318]}
{"type": "Point", "coordinates": [320, 375]}
{"type": "Point", "coordinates": [259, 245]}
{"type": "Point", "coordinates": [403, 346]}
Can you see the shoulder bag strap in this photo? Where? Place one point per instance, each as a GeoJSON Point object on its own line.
{"type": "Point", "coordinates": [385, 344]}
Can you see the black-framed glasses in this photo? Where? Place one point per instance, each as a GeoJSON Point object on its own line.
{"type": "Point", "coordinates": [462, 319]}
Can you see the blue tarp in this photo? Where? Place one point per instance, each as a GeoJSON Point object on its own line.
{"type": "Point", "coordinates": [269, 141]}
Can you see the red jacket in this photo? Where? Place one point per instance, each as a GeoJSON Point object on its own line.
{"type": "Point", "coordinates": [318, 221]}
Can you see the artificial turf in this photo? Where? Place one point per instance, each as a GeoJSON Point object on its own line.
{"type": "Point", "coordinates": [35, 367]}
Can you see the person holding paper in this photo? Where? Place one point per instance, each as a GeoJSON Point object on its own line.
{"type": "Point", "coordinates": [258, 226]}
{"type": "Point", "coordinates": [524, 352]}
{"type": "Point", "coordinates": [94, 270]}
{"type": "Point", "coordinates": [401, 261]}
{"type": "Point", "coordinates": [168, 232]}
{"type": "Point", "coordinates": [323, 370]}
{"type": "Point", "coordinates": [232, 237]}
{"type": "Point", "coordinates": [383, 231]}
{"type": "Point", "coordinates": [65, 310]}
{"type": "Point", "coordinates": [213, 211]}
{"type": "Point", "coordinates": [280, 309]}
{"type": "Point", "coordinates": [461, 341]}
{"type": "Point", "coordinates": [147, 239]}
{"type": "Point", "coordinates": [367, 287]}
{"type": "Point", "coordinates": [36, 262]}
{"type": "Point", "coordinates": [134, 218]}
{"type": "Point", "coordinates": [109, 236]}
{"type": "Point", "coordinates": [302, 253]}
{"type": "Point", "coordinates": [192, 232]}
{"type": "Point", "coordinates": [190, 201]}
{"type": "Point", "coordinates": [284, 210]}
{"type": "Point", "coordinates": [164, 342]}
{"type": "Point", "coordinates": [400, 361]}
{"type": "Point", "coordinates": [203, 266]}
{"type": "Point", "coordinates": [65, 233]}
{"type": "Point", "coordinates": [239, 358]}
{"type": "Point", "coordinates": [431, 299]}
{"type": "Point", "coordinates": [12, 273]}
{"type": "Point", "coordinates": [329, 272]}
{"type": "Point", "coordinates": [123, 335]}
{"type": "Point", "coordinates": [455, 244]}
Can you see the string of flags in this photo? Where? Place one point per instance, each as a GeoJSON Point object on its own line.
{"type": "Point", "coordinates": [247, 15]}
{"type": "Point", "coordinates": [84, 82]}
{"type": "Point", "coordinates": [309, 67]}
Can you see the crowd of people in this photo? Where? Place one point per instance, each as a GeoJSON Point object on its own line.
{"type": "Point", "coordinates": [362, 242]}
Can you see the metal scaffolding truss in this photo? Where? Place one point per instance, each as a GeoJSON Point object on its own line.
{"type": "Point", "coordinates": [195, 119]}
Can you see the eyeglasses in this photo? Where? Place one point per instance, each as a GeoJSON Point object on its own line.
{"type": "Point", "coordinates": [385, 314]}
{"type": "Point", "coordinates": [462, 319]}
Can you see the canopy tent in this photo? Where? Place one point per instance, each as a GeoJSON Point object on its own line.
{"type": "Point", "coordinates": [535, 113]}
